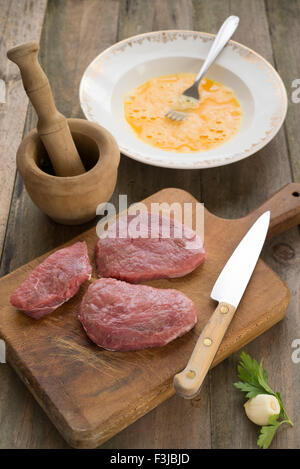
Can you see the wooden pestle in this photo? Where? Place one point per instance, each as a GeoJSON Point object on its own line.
{"type": "Point", "coordinates": [52, 126]}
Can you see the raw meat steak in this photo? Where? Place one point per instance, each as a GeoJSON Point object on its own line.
{"type": "Point", "coordinates": [54, 281]}
{"type": "Point", "coordinates": [124, 256]}
{"type": "Point", "coordinates": [119, 316]}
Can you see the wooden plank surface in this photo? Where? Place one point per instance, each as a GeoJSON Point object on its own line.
{"type": "Point", "coordinates": [155, 429]}
{"type": "Point", "coordinates": [231, 191]}
{"type": "Point", "coordinates": [283, 253]}
{"type": "Point", "coordinates": [90, 26]}
{"type": "Point", "coordinates": [20, 21]}
{"type": "Point", "coordinates": [284, 29]}
{"type": "Point", "coordinates": [213, 419]}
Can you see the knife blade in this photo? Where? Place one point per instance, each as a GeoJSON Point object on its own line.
{"type": "Point", "coordinates": [228, 291]}
{"type": "Point", "coordinates": [234, 278]}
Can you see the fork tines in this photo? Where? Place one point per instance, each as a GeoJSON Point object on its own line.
{"type": "Point", "coordinates": [176, 115]}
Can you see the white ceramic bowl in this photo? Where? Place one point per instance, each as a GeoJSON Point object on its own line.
{"type": "Point", "coordinates": [129, 63]}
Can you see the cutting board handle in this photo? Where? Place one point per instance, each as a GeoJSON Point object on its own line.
{"type": "Point", "coordinates": [285, 209]}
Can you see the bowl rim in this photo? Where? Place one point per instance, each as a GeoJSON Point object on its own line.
{"type": "Point", "coordinates": [221, 161]}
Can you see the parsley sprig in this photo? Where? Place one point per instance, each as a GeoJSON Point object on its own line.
{"type": "Point", "coordinates": [253, 381]}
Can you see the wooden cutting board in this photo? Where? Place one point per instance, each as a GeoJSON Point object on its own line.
{"type": "Point", "coordinates": [90, 394]}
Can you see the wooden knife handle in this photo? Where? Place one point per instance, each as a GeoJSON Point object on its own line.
{"type": "Point", "coordinates": [52, 125]}
{"type": "Point", "coordinates": [187, 383]}
{"type": "Point", "coordinates": [285, 209]}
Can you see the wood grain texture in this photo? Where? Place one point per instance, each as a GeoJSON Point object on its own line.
{"type": "Point", "coordinates": [20, 21]}
{"type": "Point", "coordinates": [74, 33]}
{"type": "Point", "coordinates": [76, 23]}
{"type": "Point", "coordinates": [72, 200]}
{"type": "Point", "coordinates": [231, 191]}
{"type": "Point", "coordinates": [284, 29]}
{"type": "Point", "coordinates": [191, 418]}
{"type": "Point", "coordinates": [90, 394]}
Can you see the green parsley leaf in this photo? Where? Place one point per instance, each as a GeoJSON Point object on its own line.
{"type": "Point", "coordinates": [262, 378]}
{"type": "Point", "coordinates": [283, 413]}
{"type": "Point", "coordinates": [248, 372]}
{"type": "Point", "coordinates": [251, 389]}
{"type": "Point", "coordinates": [253, 381]}
{"type": "Point", "coordinates": [267, 432]}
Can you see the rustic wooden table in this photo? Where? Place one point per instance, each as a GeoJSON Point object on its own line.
{"type": "Point", "coordinates": [71, 34]}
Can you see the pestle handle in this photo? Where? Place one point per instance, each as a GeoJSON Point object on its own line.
{"type": "Point", "coordinates": [52, 125]}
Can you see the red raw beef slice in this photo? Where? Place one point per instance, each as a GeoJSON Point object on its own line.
{"type": "Point", "coordinates": [164, 249]}
{"type": "Point", "coordinates": [54, 281]}
{"type": "Point", "coordinates": [120, 316]}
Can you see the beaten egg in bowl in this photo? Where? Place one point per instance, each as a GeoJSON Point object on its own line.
{"type": "Point", "coordinates": [213, 122]}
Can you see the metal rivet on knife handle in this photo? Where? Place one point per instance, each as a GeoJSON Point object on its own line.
{"type": "Point", "coordinates": [190, 374]}
{"type": "Point", "coordinates": [207, 342]}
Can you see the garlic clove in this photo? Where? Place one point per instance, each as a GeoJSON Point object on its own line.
{"type": "Point", "coordinates": [261, 407]}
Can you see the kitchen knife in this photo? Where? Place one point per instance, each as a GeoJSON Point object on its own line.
{"type": "Point", "coordinates": [228, 291]}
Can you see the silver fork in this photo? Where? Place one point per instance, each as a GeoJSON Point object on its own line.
{"type": "Point", "coordinates": [190, 97]}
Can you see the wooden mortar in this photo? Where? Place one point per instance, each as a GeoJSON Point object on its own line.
{"type": "Point", "coordinates": [71, 200]}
